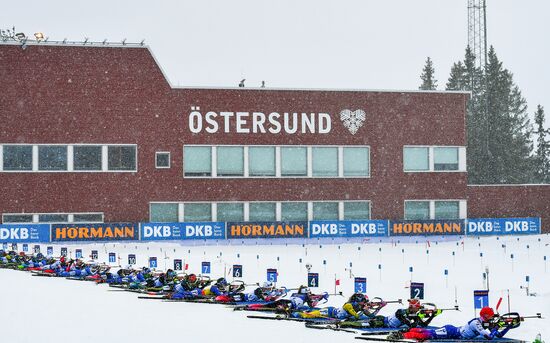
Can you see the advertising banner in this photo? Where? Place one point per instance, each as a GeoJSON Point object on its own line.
{"type": "Point", "coordinates": [427, 227]}
{"type": "Point", "coordinates": [95, 232]}
{"type": "Point", "coordinates": [348, 228]}
{"type": "Point", "coordinates": [266, 230]}
{"type": "Point", "coordinates": [14, 233]}
{"type": "Point", "coordinates": [179, 231]}
{"type": "Point", "coordinates": [503, 226]}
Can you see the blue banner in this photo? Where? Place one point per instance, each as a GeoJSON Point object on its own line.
{"type": "Point", "coordinates": [503, 226]}
{"type": "Point", "coordinates": [179, 231]}
{"type": "Point", "coordinates": [95, 232]}
{"type": "Point", "coordinates": [348, 228]}
{"type": "Point", "coordinates": [14, 233]}
{"type": "Point", "coordinates": [427, 227]}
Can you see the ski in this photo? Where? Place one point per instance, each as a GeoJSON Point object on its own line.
{"type": "Point", "coordinates": [310, 320]}
{"type": "Point", "coordinates": [333, 327]}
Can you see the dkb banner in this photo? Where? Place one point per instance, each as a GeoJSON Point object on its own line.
{"type": "Point", "coordinates": [14, 233]}
{"type": "Point", "coordinates": [503, 226]}
{"type": "Point", "coordinates": [266, 230]}
{"type": "Point", "coordinates": [367, 228]}
{"type": "Point", "coordinates": [426, 227]}
{"type": "Point", "coordinates": [178, 231]}
{"type": "Point", "coordinates": [95, 232]}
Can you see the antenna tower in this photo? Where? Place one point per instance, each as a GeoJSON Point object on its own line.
{"type": "Point", "coordinates": [477, 31]}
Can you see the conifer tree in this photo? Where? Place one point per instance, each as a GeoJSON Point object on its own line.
{"type": "Point", "coordinates": [429, 83]}
{"type": "Point", "coordinates": [542, 152]}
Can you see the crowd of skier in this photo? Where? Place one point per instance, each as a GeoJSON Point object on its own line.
{"type": "Point", "coordinates": [357, 314]}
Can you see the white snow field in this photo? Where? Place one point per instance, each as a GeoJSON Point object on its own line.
{"type": "Point", "coordinates": [41, 309]}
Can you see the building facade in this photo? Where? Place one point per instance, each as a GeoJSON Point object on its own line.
{"type": "Point", "coordinates": [97, 134]}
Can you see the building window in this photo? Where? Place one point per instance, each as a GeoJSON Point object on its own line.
{"type": "Point", "coordinates": [197, 212]}
{"type": "Point", "coordinates": [445, 158]}
{"type": "Point", "coordinates": [293, 161]}
{"type": "Point", "coordinates": [417, 210]}
{"type": "Point", "coordinates": [261, 161]}
{"type": "Point", "coordinates": [357, 210]}
{"type": "Point", "coordinates": [53, 218]}
{"type": "Point", "coordinates": [416, 159]}
{"type": "Point", "coordinates": [197, 161]}
{"type": "Point", "coordinates": [88, 218]}
{"type": "Point", "coordinates": [164, 212]}
{"type": "Point", "coordinates": [87, 158]}
{"type": "Point", "coordinates": [17, 218]}
{"type": "Point", "coordinates": [356, 161]}
{"type": "Point", "coordinates": [262, 212]}
{"type": "Point", "coordinates": [52, 157]}
{"type": "Point", "coordinates": [230, 161]}
{"type": "Point", "coordinates": [122, 157]}
{"type": "Point", "coordinates": [230, 212]}
{"type": "Point", "coordinates": [325, 211]}
{"type": "Point", "coordinates": [447, 210]}
{"type": "Point", "coordinates": [325, 161]}
{"type": "Point", "coordinates": [162, 160]}
{"type": "Point", "coordinates": [17, 157]}
{"type": "Point", "coordinates": [294, 211]}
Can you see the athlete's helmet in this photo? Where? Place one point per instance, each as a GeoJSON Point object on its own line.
{"type": "Point", "coordinates": [267, 285]}
{"type": "Point", "coordinates": [358, 298]}
{"type": "Point", "coordinates": [486, 313]}
{"type": "Point", "coordinates": [192, 278]}
{"type": "Point", "coordinates": [221, 282]}
{"type": "Point", "coordinates": [414, 304]}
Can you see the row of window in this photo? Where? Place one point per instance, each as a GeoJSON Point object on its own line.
{"type": "Point", "coordinates": [259, 211]}
{"type": "Point", "coordinates": [14, 218]}
{"type": "Point", "coordinates": [434, 209]}
{"type": "Point", "coordinates": [63, 158]}
{"type": "Point", "coordinates": [276, 161]}
{"type": "Point", "coordinates": [432, 158]}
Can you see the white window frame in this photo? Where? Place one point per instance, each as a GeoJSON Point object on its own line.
{"type": "Point", "coordinates": [156, 160]}
{"type": "Point", "coordinates": [70, 217]}
{"type": "Point", "coordinates": [70, 158]}
{"type": "Point", "coordinates": [431, 162]}
{"type": "Point", "coordinates": [462, 207]}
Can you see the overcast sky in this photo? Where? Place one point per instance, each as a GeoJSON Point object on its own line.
{"type": "Point", "coordinates": [363, 44]}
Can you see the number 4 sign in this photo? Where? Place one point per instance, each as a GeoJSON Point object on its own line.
{"type": "Point", "coordinates": [481, 299]}
{"type": "Point", "coordinates": [313, 279]}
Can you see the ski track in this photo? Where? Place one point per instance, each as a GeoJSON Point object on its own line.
{"type": "Point", "coordinates": [40, 309]}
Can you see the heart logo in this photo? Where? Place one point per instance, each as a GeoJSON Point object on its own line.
{"type": "Point", "coordinates": [353, 120]}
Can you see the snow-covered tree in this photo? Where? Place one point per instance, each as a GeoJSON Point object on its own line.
{"type": "Point", "coordinates": [429, 83]}
{"type": "Point", "coordinates": [542, 152]}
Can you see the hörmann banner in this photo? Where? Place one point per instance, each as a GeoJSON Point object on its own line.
{"type": "Point", "coordinates": [348, 228]}
{"type": "Point", "coordinates": [95, 232]}
{"type": "Point", "coordinates": [15, 233]}
{"type": "Point", "coordinates": [427, 227]}
{"type": "Point", "coordinates": [503, 226]}
{"type": "Point", "coordinates": [266, 230]}
{"type": "Point", "coordinates": [179, 231]}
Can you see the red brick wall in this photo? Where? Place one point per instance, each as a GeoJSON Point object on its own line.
{"type": "Point", "coordinates": [510, 201]}
{"type": "Point", "coordinates": [62, 94]}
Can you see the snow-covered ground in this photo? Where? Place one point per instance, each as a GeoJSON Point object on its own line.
{"type": "Point", "coordinates": [37, 309]}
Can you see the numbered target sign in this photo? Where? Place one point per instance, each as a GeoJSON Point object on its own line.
{"type": "Point", "coordinates": [272, 275]}
{"type": "Point", "coordinates": [36, 249]}
{"type": "Point", "coordinates": [237, 270]}
{"type": "Point", "coordinates": [360, 284]}
{"type": "Point", "coordinates": [78, 253]}
{"type": "Point", "coordinates": [153, 262]}
{"type": "Point", "coordinates": [481, 298]}
{"type": "Point", "coordinates": [14, 246]}
{"type": "Point", "coordinates": [131, 259]}
{"type": "Point", "coordinates": [205, 267]}
{"type": "Point", "coordinates": [94, 255]}
{"type": "Point", "coordinates": [25, 247]}
{"type": "Point", "coordinates": [178, 265]}
{"type": "Point", "coordinates": [112, 257]}
{"type": "Point", "coordinates": [49, 251]}
{"type": "Point", "coordinates": [64, 252]}
{"type": "Point", "coordinates": [313, 279]}
{"type": "Point", "coordinates": [417, 290]}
